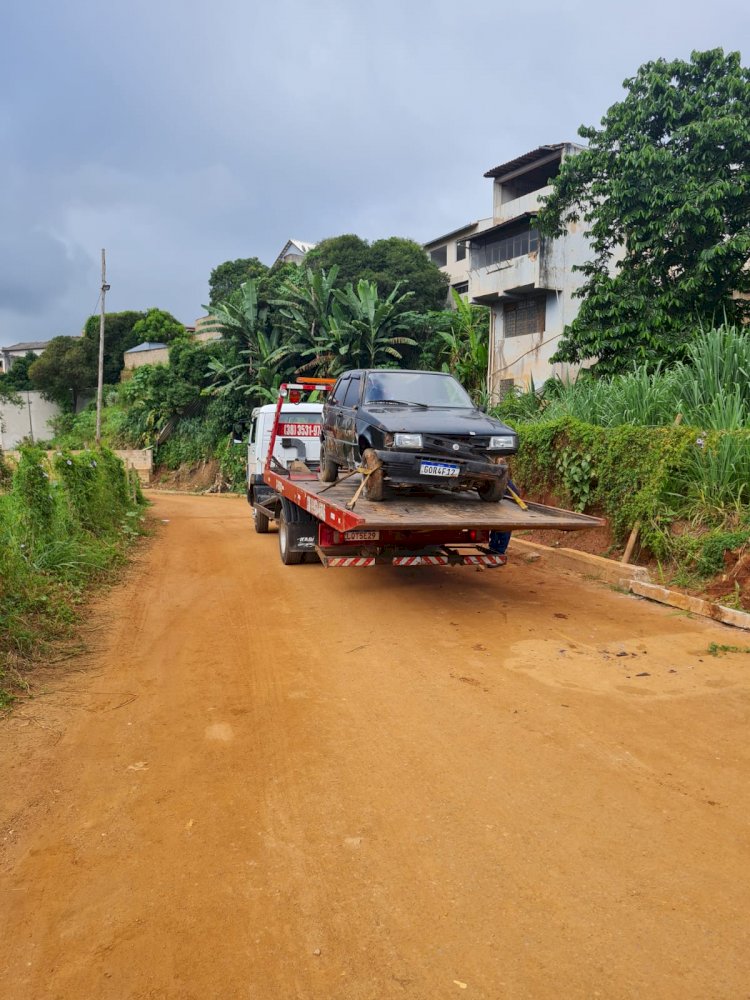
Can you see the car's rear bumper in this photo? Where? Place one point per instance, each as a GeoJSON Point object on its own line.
{"type": "Point", "coordinates": [405, 467]}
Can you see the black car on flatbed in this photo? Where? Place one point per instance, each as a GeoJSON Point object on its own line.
{"type": "Point", "coordinates": [413, 428]}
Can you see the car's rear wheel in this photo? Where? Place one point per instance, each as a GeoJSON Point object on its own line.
{"type": "Point", "coordinates": [329, 470]}
{"type": "Point", "coordinates": [493, 490]}
{"type": "Point", "coordinates": [375, 485]}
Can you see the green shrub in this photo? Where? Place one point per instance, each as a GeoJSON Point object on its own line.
{"type": "Point", "coordinates": [651, 475]}
{"type": "Point", "coordinates": [61, 528]}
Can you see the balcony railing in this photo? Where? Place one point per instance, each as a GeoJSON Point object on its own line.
{"type": "Point", "coordinates": [505, 249]}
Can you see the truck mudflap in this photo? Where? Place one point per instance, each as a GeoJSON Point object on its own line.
{"type": "Point", "coordinates": [336, 560]}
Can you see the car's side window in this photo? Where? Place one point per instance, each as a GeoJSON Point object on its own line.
{"type": "Point", "coordinates": [339, 390]}
{"type": "Point", "coordinates": [352, 392]}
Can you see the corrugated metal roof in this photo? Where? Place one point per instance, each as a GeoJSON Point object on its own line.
{"type": "Point", "coordinates": [526, 159]}
{"type": "Point", "coordinates": [147, 345]}
{"type": "Point", "coordinates": [470, 226]}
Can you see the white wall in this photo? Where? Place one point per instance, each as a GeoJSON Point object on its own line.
{"type": "Point", "coordinates": [30, 419]}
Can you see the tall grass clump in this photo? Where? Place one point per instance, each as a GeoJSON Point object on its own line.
{"type": "Point", "coordinates": [63, 525]}
{"type": "Point", "coordinates": [709, 390]}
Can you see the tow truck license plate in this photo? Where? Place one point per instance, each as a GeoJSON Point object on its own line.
{"type": "Point", "coordinates": [362, 536]}
{"type": "Point", "coordinates": [438, 469]}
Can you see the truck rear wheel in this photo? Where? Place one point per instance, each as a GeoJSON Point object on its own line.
{"type": "Point", "coordinates": [288, 556]}
{"type": "Point", "coordinates": [261, 522]}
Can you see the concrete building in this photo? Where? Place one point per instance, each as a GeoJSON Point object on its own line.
{"type": "Point", "coordinates": [9, 354]}
{"type": "Point", "coordinates": [527, 280]}
{"type": "Point", "coordinates": [451, 255]}
{"type": "Point", "coordinates": [147, 353]}
{"type": "Point", "coordinates": [294, 252]}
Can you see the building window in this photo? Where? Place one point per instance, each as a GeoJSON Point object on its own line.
{"type": "Point", "coordinates": [460, 251]}
{"type": "Point", "coordinates": [523, 317]}
{"type": "Point", "coordinates": [516, 245]}
{"type": "Point", "coordinates": [502, 387]}
{"type": "Point", "coordinates": [462, 287]}
{"type": "Point", "coordinates": [439, 256]}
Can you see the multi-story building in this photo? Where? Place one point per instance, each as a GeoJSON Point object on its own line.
{"type": "Point", "coordinates": [527, 280]}
{"type": "Point", "coordinates": [451, 254]}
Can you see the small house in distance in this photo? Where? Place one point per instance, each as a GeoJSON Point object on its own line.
{"type": "Point", "coordinates": [147, 353]}
{"type": "Point", "coordinates": [294, 252]}
{"type": "Point", "coordinates": [8, 355]}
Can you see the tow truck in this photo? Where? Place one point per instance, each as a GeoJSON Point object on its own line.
{"type": "Point", "coordinates": [334, 524]}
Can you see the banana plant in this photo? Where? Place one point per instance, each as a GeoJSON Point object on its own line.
{"type": "Point", "coordinates": [466, 345]}
{"type": "Point", "coordinates": [363, 331]}
{"type": "Point", "coordinates": [240, 317]}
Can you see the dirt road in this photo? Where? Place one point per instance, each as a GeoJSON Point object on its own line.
{"type": "Point", "coordinates": [284, 783]}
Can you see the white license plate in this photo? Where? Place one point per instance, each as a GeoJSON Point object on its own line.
{"type": "Point", "coordinates": [439, 469]}
{"type": "Point", "coordinates": [362, 536]}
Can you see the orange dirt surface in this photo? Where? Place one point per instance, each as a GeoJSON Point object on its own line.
{"type": "Point", "coordinates": [289, 782]}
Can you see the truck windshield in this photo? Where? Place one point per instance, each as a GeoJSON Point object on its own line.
{"type": "Point", "coordinates": [416, 388]}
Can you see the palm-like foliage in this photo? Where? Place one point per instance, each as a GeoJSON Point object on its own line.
{"type": "Point", "coordinates": [306, 308]}
{"type": "Point", "coordinates": [239, 317]}
{"type": "Point", "coordinates": [362, 330]}
{"type": "Point", "coordinates": [466, 347]}
{"type": "Point", "coordinates": [260, 374]}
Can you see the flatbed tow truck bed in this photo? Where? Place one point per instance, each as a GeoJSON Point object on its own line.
{"type": "Point", "coordinates": [431, 509]}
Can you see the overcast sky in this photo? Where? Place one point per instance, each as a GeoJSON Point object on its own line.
{"type": "Point", "coordinates": [182, 133]}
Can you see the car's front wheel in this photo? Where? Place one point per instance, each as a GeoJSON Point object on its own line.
{"type": "Point", "coordinates": [375, 485]}
{"type": "Point", "coordinates": [493, 490]}
{"type": "Point", "coordinates": [329, 470]}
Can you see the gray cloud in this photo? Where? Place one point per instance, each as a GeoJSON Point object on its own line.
{"type": "Point", "coordinates": [179, 134]}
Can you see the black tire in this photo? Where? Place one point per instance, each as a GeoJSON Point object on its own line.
{"type": "Point", "coordinates": [288, 557]}
{"type": "Point", "coordinates": [375, 486]}
{"type": "Point", "coordinates": [494, 490]}
{"type": "Point", "coordinates": [329, 470]}
{"type": "Point", "coordinates": [261, 522]}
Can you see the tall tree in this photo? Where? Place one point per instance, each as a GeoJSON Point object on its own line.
{"type": "Point", "coordinates": [389, 263]}
{"type": "Point", "coordinates": [664, 192]}
{"type": "Point", "coordinates": [118, 338]}
{"type": "Point", "coordinates": [158, 326]}
{"type": "Point", "coordinates": [67, 367]}
{"type": "Point", "coordinates": [18, 377]}
{"type": "Point", "coordinates": [229, 277]}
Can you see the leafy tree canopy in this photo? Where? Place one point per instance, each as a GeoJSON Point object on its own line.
{"type": "Point", "coordinates": [664, 192]}
{"type": "Point", "coordinates": [67, 367]}
{"type": "Point", "coordinates": [389, 263]}
{"type": "Point", "coordinates": [17, 378]}
{"type": "Point", "coordinates": [231, 275]}
{"type": "Point", "coordinates": [158, 326]}
{"type": "Point", "coordinates": [118, 338]}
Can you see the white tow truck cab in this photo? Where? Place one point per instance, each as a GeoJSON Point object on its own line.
{"type": "Point", "coordinates": [297, 442]}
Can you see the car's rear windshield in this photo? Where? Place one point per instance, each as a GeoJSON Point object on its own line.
{"type": "Point", "coordinates": [421, 388]}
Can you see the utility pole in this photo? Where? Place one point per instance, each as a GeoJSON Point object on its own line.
{"type": "Point", "coordinates": [100, 382]}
